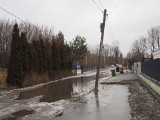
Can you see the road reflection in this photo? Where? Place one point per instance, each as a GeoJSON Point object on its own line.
{"type": "Point", "coordinates": [62, 89]}
{"type": "Point", "coordinates": [96, 98]}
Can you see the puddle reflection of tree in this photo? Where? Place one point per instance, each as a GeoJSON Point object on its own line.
{"type": "Point", "coordinates": [82, 84]}
{"type": "Point", "coordinates": [96, 98]}
{"type": "Point", "coordinates": [51, 92]}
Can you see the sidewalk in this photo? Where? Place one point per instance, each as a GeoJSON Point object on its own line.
{"type": "Point", "coordinates": [120, 78]}
{"type": "Point", "coordinates": [144, 106]}
{"type": "Point", "coordinates": [110, 102]}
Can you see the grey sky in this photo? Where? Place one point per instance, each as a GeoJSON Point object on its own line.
{"type": "Point", "coordinates": [129, 20]}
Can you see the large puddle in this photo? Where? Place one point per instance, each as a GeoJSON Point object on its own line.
{"type": "Point", "coordinates": [110, 103]}
{"type": "Point", "coordinates": [62, 89]}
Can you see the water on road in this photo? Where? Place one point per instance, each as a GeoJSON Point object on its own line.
{"type": "Point", "coordinates": [73, 96]}
{"type": "Point", "coordinates": [63, 89]}
{"type": "Point", "coordinates": [110, 103]}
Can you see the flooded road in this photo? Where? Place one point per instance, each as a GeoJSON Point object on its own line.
{"type": "Point", "coordinates": [110, 103]}
{"type": "Point", "coordinates": [44, 100]}
{"type": "Point", "coordinates": [63, 89]}
{"type": "Point", "coordinates": [73, 97]}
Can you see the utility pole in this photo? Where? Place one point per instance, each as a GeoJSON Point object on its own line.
{"type": "Point", "coordinates": [102, 26]}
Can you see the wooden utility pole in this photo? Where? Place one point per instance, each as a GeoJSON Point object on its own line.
{"type": "Point", "coordinates": [102, 26]}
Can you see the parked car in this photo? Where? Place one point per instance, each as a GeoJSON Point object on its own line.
{"type": "Point", "coordinates": [119, 68]}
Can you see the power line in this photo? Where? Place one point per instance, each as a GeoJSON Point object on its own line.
{"type": "Point", "coordinates": [111, 29]}
{"type": "Point", "coordinates": [101, 3]}
{"type": "Point", "coordinates": [118, 3]}
{"type": "Point", "coordinates": [15, 16]}
{"type": "Point", "coordinates": [97, 6]}
{"type": "Point", "coordinates": [108, 32]}
{"type": "Point", "coordinates": [11, 14]}
{"type": "Point", "coordinates": [116, 6]}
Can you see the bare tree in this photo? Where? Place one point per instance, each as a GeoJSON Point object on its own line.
{"type": "Point", "coordinates": [116, 50]}
{"type": "Point", "coordinates": [153, 38]}
{"type": "Point", "coordinates": [158, 36]}
{"type": "Point", "coordinates": [5, 39]}
{"type": "Point", "coordinates": [143, 44]}
{"type": "Point", "coordinates": [136, 50]}
{"type": "Point", "coordinates": [32, 33]}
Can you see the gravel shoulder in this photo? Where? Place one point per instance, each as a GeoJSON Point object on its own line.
{"type": "Point", "coordinates": [144, 106]}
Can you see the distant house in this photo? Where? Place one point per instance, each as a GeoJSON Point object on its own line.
{"type": "Point", "coordinates": [147, 57]}
{"type": "Point", "coordinates": [156, 54]}
{"type": "Point", "coordinates": [76, 65]}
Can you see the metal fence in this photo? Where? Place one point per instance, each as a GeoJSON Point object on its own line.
{"type": "Point", "coordinates": [130, 66]}
{"type": "Point", "coordinates": [85, 68]}
{"type": "Point", "coordinates": [152, 69]}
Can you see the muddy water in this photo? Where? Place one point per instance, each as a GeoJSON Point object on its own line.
{"type": "Point", "coordinates": [18, 114]}
{"type": "Point", "coordinates": [63, 89]}
{"type": "Point", "coordinates": [110, 103]}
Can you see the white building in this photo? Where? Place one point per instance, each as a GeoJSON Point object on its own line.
{"type": "Point", "coordinates": [147, 57]}
{"type": "Point", "coordinates": [156, 54]}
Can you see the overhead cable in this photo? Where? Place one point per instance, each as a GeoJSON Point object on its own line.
{"type": "Point", "coordinates": [101, 3]}
{"type": "Point", "coordinates": [97, 6]}
{"type": "Point", "coordinates": [111, 29]}
{"type": "Point", "coordinates": [11, 14]}
{"type": "Point", "coordinates": [108, 32]}
{"type": "Point", "coordinates": [116, 6]}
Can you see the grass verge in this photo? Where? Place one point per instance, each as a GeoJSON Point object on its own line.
{"type": "Point", "coordinates": [3, 75]}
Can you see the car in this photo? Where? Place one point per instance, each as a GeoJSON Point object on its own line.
{"type": "Point", "coordinates": [119, 68]}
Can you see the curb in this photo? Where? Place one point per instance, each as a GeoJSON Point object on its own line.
{"type": "Point", "coordinates": [103, 81]}
{"type": "Point", "coordinates": [143, 80]}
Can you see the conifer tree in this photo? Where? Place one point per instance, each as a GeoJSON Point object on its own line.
{"type": "Point", "coordinates": [25, 53]}
{"type": "Point", "coordinates": [79, 48]}
{"type": "Point", "coordinates": [60, 37]}
{"type": "Point", "coordinates": [14, 75]}
{"type": "Point", "coordinates": [62, 56]}
{"type": "Point", "coordinates": [31, 58]}
{"type": "Point", "coordinates": [55, 57]}
{"type": "Point", "coordinates": [48, 55]}
{"type": "Point", "coordinates": [35, 59]}
{"type": "Point", "coordinates": [42, 56]}
{"type": "Point", "coordinates": [69, 58]}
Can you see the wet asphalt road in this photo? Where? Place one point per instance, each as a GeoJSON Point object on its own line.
{"type": "Point", "coordinates": [42, 103]}
{"type": "Point", "coordinates": [110, 103]}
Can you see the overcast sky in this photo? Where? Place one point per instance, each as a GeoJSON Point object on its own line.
{"type": "Point", "coordinates": [129, 19]}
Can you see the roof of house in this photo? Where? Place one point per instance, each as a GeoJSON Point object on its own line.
{"type": "Point", "coordinates": [146, 55]}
